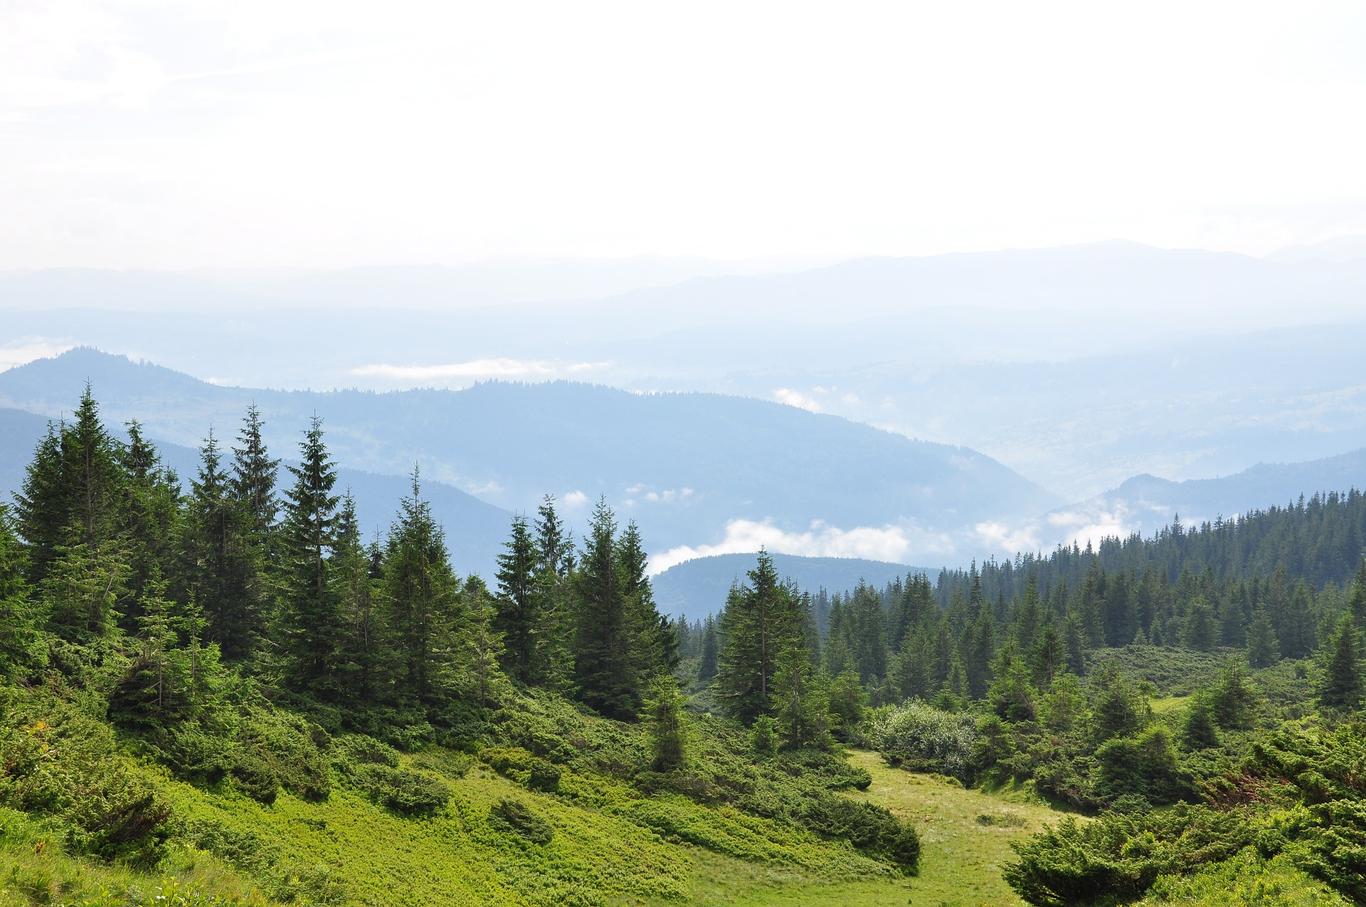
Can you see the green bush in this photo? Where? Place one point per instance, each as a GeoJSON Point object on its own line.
{"type": "Point", "coordinates": [922, 738]}
{"type": "Point", "coordinates": [1119, 855]}
{"type": "Point", "coordinates": [515, 817]}
{"type": "Point", "coordinates": [870, 828]}
{"type": "Point", "coordinates": [405, 792]}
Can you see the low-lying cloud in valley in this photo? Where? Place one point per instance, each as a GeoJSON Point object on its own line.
{"type": "Point", "coordinates": [878, 543]}
{"type": "Point", "coordinates": [478, 370]}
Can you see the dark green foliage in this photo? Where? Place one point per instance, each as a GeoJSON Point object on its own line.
{"type": "Point", "coordinates": [515, 614]}
{"type": "Point", "coordinates": [1232, 701]}
{"type": "Point", "coordinates": [405, 792]}
{"type": "Point", "coordinates": [61, 764]}
{"type": "Point", "coordinates": [312, 626]}
{"type": "Point", "coordinates": [604, 669]}
{"type": "Point", "coordinates": [666, 724]}
{"type": "Point", "coordinates": [760, 623]}
{"type": "Point", "coordinates": [221, 565]}
{"type": "Point", "coordinates": [764, 735]}
{"type": "Point", "coordinates": [1341, 687]}
{"type": "Point", "coordinates": [869, 828]}
{"type": "Point", "coordinates": [516, 818]}
{"type": "Point", "coordinates": [1120, 855]}
{"type": "Point", "coordinates": [1263, 648]}
{"type": "Point", "coordinates": [707, 666]}
{"type": "Point", "coordinates": [1144, 766]}
{"type": "Point", "coordinates": [422, 594]}
{"type": "Point", "coordinates": [1198, 730]}
{"type": "Point", "coordinates": [847, 701]}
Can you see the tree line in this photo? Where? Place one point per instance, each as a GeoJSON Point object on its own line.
{"type": "Point", "coordinates": [257, 572]}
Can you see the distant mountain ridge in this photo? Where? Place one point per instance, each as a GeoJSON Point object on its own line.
{"type": "Point", "coordinates": [698, 587]}
{"type": "Point", "coordinates": [1147, 503]}
{"type": "Point", "coordinates": [682, 465]}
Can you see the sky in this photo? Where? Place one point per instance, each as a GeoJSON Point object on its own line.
{"type": "Point", "coordinates": [329, 133]}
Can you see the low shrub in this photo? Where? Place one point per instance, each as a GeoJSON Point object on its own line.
{"type": "Point", "coordinates": [405, 792]}
{"type": "Point", "coordinates": [516, 818]}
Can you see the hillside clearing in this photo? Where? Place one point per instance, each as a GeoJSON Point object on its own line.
{"type": "Point", "coordinates": [966, 833]}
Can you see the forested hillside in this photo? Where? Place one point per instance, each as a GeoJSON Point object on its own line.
{"type": "Point", "coordinates": [224, 693]}
{"type": "Point", "coordinates": [228, 694]}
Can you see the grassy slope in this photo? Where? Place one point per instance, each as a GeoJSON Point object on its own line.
{"type": "Point", "coordinates": [963, 853]}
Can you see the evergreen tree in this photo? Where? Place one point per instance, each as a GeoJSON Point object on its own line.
{"type": "Point", "coordinates": [222, 569]}
{"type": "Point", "coordinates": [42, 508]}
{"type": "Point", "coordinates": [1198, 731]}
{"type": "Point", "coordinates": [92, 478]}
{"type": "Point", "coordinates": [556, 624]}
{"type": "Point", "coordinates": [604, 666]}
{"type": "Point", "coordinates": [706, 668]}
{"type": "Point", "coordinates": [254, 475]}
{"type": "Point", "coordinates": [19, 649]}
{"type": "Point", "coordinates": [1341, 687]}
{"type": "Point", "coordinates": [1232, 701]}
{"type": "Point", "coordinates": [151, 512]}
{"type": "Point", "coordinates": [801, 703]}
{"type": "Point", "coordinates": [1049, 655]}
{"type": "Point", "coordinates": [422, 595]}
{"type": "Point", "coordinates": [313, 627]}
{"type": "Point", "coordinates": [515, 614]}
{"type": "Point", "coordinates": [1263, 648]}
{"type": "Point", "coordinates": [362, 663]}
{"type": "Point", "coordinates": [1198, 632]}
{"type": "Point", "coordinates": [651, 636]}
{"type": "Point", "coordinates": [760, 623]}
{"type": "Point", "coordinates": [666, 724]}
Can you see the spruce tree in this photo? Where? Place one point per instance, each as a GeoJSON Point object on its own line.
{"type": "Point", "coordinates": [312, 624]}
{"type": "Point", "coordinates": [222, 567]}
{"type": "Point", "coordinates": [758, 626]}
{"type": "Point", "coordinates": [653, 641]}
{"type": "Point", "coordinates": [42, 507]}
{"type": "Point", "coordinates": [1341, 687]}
{"type": "Point", "coordinates": [92, 477]}
{"type": "Point", "coordinates": [362, 663]}
{"type": "Point", "coordinates": [515, 615]}
{"type": "Point", "coordinates": [666, 724]}
{"type": "Point", "coordinates": [254, 474]}
{"type": "Point", "coordinates": [19, 649]}
{"type": "Point", "coordinates": [423, 598]}
{"type": "Point", "coordinates": [151, 513]}
{"type": "Point", "coordinates": [1263, 648]}
{"type": "Point", "coordinates": [706, 668]}
{"type": "Point", "coordinates": [604, 666]}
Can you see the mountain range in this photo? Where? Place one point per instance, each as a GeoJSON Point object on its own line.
{"type": "Point", "coordinates": [684, 466]}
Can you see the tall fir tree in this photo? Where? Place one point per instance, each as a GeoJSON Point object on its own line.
{"type": "Point", "coordinates": [363, 664]}
{"type": "Point", "coordinates": [1341, 687]}
{"type": "Point", "coordinates": [422, 593]}
{"type": "Point", "coordinates": [254, 474]}
{"type": "Point", "coordinates": [760, 624]}
{"type": "Point", "coordinates": [706, 667]}
{"type": "Point", "coordinates": [604, 666]}
{"type": "Point", "coordinates": [515, 614]}
{"type": "Point", "coordinates": [312, 624]}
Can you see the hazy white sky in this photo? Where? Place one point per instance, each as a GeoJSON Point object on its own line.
{"type": "Point", "coordinates": [326, 132]}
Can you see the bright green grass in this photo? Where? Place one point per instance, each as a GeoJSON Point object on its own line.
{"type": "Point", "coordinates": [965, 834]}
{"type": "Point", "coordinates": [1165, 705]}
{"type": "Point", "coordinates": [611, 845]}
{"type": "Point", "coordinates": [35, 870]}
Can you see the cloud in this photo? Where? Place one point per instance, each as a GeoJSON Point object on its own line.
{"type": "Point", "coordinates": [881, 543]}
{"type": "Point", "coordinates": [27, 349]}
{"type": "Point", "coordinates": [476, 369]}
{"type": "Point", "coordinates": [796, 398]}
{"type": "Point", "coordinates": [574, 500]}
